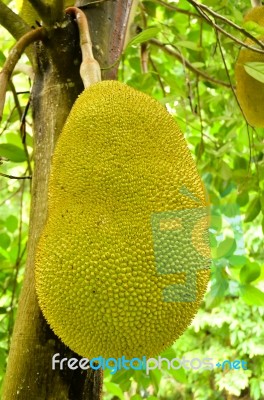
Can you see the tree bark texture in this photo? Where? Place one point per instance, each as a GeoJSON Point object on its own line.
{"type": "Point", "coordinates": [29, 374]}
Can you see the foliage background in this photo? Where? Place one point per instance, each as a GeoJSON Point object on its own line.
{"type": "Point", "coordinates": [229, 156]}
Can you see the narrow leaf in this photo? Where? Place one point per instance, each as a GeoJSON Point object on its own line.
{"type": "Point", "coordinates": [256, 70]}
{"type": "Point", "coordinates": [144, 36]}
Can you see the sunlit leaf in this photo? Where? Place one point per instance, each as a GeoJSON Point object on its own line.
{"type": "Point", "coordinates": [144, 36]}
{"type": "Point", "coordinates": [256, 70]}
{"type": "Point", "coordinates": [250, 272]}
{"type": "Point", "coordinates": [12, 153]}
{"type": "Point", "coordinates": [252, 295]}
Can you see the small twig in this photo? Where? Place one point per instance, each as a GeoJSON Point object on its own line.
{"type": "Point", "coordinates": [16, 101]}
{"type": "Point", "coordinates": [233, 90]}
{"type": "Point", "coordinates": [158, 75]}
{"type": "Point", "coordinates": [7, 122]}
{"type": "Point", "coordinates": [13, 58]}
{"type": "Point", "coordinates": [15, 177]}
{"type": "Point", "coordinates": [189, 88]}
{"type": "Point", "coordinates": [199, 110]}
{"type": "Point", "coordinates": [144, 56]}
{"type": "Point", "coordinates": [91, 3]}
{"type": "Point", "coordinates": [187, 63]}
{"type": "Point", "coordinates": [144, 53]}
{"type": "Point", "coordinates": [177, 9]}
{"type": "Point", "coordinates": [90, 69]}
{"type": "Point", "coordinates": [200, 8]}
{"type": "Point", "coordinates": [11, 195]}
{"type": "Point", "coordinates": [226, 69]}
{"type": "Point", "coordinates": [23, 121]}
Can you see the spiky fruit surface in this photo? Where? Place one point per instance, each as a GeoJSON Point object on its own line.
{"type": "Point", "coordinates": [250, 92]}
{"type": "Point", "coordinates": [122, 263]}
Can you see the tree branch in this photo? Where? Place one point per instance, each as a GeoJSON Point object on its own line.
{"type": "Point", "coordinates": [49, 13]}
{"type": "Point", "coordinates": [177, 9]}
{"type": "Point", "coordinates": [12, 22]}
{"type": "Point", "coordinates": [57, 12]}
{"type": "Point", "coordinates": [42, 9]}
{"type": "Point", "coordinates": [202, 7]}
{"type": "Point", "coordinates": [187, 63]}
{"type": "Point", "coordinates": [13, 58]}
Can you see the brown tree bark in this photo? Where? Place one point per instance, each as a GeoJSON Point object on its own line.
{"type": "Point", "coordinates": [29, 374]}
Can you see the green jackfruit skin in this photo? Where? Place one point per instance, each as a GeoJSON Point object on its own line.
{"type": "Point", "coordinates": [120, 166]}
{"type": "Point", "coordinates": [250, 92]}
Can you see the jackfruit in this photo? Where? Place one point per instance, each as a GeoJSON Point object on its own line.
{"type": "Point", "coordinates": [250, 92]}
{"type": "Point", "coordinates": [123, 261]}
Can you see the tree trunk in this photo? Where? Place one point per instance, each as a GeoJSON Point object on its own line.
{"type": "Point", "coordinates": [57, 84]}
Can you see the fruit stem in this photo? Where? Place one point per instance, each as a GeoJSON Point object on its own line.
{"type": "Point", "coordinates": [90, 69]}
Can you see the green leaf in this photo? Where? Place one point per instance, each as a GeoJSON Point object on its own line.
{"type": "Point", "coordinates": [252, 295]}
{"type": "Point", "coordinates": [168, 353]}
{"type": "Point", "coordinates": [122, 375]}
{"type": "Point", "coordinates": [114, 389]}
{"type": "Point", "coordinates": [240, 163]}
{"type": "Point", "coordinates": [2, 310]}
{"type": "Point", "coordinates": [250, 272]}
{"type": "Point", "coordinates": [155, 378]}
{"type": "Point", "coordinates": [178, 374]}
{"type": "Point", "coordinates": [4, 254]}
{"type": "Point", "coordinates": [2, 58]}
{"type": "Point", "coordinates": [11, 223]}
{"type": "Point", "coordinates": [253, 27]}
{"type": "Point", "coordinates": [253, 209]}
{"type": "Point", "coordinates": [225, 171]}
{"type": "Point", "coordinates": [237, 260]}
{"type": "Point", "coordinates": [215, 222]}
{"type": "Point", "coordinates": [256, 70]}
{"type": "Point", "coordinates": [144, 36]}
{"type": "Point", "coordinates": [242, 199]}
{"type": "Point", "coordinates": [4, 240]}
{"type": "Point", "coordinates": [150, 8]}
{"type": "Point", "coordinates": [216, 294]}
{"type": "Point", "coordinates": [189, 45]}
{"type": "Point", "coordinates": [2, 358]}
{"type": "Point", "coordinates": [12, 153]}
{"type": "Point", "coordinates": [226, 248]}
